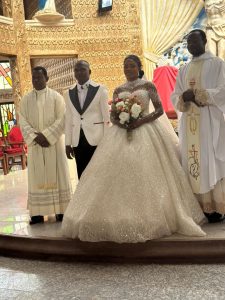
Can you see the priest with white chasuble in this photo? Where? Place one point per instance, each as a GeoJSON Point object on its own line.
{"type": "Point", "coordinates": [199, 96]}
{"type": "Point", "coordinates": [42, 114]}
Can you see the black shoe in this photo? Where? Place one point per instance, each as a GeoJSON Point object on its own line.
{"type": "Point", "coordinates": [59, 217]}
{"type": "Point", "coordinates": [214, 217]}
{"type": "Point", "coordinates": [36, 220]}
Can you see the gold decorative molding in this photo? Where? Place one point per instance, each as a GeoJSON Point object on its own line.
{"type": "Point", "coordinates": [7, 36]}
{"type": "Point", "coordinates": [16, 88]}
{"type": "Point", "coordinates": [6, 20]}
{"type": "Point", "coordinates": [23, 57]}
{"type": "Point", "coordinates": [104, 40]}
{"type": "Point", "coordinates": [36, 23]}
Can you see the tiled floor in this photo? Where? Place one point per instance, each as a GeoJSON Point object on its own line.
{"type": "Point", "coordinates": [27, 279]}
{"type": "Point", "coordinates": [14, 216]}
{"type": "Point", "coordinates": [39, 280]}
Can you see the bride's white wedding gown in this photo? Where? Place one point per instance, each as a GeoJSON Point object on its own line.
{"type": "Point", "coordinates": [133, 191]}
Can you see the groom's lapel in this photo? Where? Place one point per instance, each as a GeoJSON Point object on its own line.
{"type": "Point", "coordinates": [75, 100]}
{"type": "Point", "coordinates": [92, 91]}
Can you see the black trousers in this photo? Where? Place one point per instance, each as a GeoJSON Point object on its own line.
{"type": "Point", "coordinates": [83, 153]}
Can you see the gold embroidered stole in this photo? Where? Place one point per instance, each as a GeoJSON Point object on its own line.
{"type": "Point", "coordinates": [193, 81]}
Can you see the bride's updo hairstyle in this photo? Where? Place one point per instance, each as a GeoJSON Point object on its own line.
{"type": "Point", "coordinates": [137, 60]}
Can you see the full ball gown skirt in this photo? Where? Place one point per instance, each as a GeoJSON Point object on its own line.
{"type": "Point", "coordinates": [133, 191]}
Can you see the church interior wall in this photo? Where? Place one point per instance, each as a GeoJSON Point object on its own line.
{"type": "Point", "coordinates": [103, 40]}
{"type": "Point", "coordinates": [62, 6]}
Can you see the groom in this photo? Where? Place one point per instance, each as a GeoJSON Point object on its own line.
{"type": "Point", "coordinates": [87, 116]}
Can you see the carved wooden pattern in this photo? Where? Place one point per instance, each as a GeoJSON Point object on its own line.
{"type": "Point", "coordinates": [102, 40]}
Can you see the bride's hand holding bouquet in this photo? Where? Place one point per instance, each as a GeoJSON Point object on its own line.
{"type": "Point", "coordinates": [127, 112]}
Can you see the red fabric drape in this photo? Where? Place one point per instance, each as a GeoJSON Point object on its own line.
{"type": "Point", "coordinates": [164, 79]}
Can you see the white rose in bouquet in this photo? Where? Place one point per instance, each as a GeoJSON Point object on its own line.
{"type": "Point", "coordinates": [124, 117]}
{"type": "Point", "coordinates": [121, 103]}
{"type": "Point", "coordinates": [135, 110]}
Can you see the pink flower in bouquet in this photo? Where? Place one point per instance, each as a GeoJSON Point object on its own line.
{"type": "Point", "coordinates": [118, 100]}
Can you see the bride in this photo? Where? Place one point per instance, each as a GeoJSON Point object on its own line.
{"type": "Point", "coordinates": [134, 190]}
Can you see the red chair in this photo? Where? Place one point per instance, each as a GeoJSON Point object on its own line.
{"type": "Point", "coordinates": [15, 152]}
{"type": "Point", "coordinates": [2, 154]}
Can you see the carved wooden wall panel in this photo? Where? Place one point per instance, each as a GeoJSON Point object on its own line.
{"type": "Point", "coordinates": [60, 72]}
{"type": "Point", "coordinates": [23, 57]}
{"type": "Point", "coordinates": [103, 40]}
{"type": "Point", "coordinates": [44, 40]}
{"type": "Point", "coordinates": [8, 39]}
{"type": "Point", "coordinates": [16, 88]}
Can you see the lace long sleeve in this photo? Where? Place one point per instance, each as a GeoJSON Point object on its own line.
{"type": "Point", "coordinates": [155, 101]}
{"type": "Point", "coordinates": [158, 109]}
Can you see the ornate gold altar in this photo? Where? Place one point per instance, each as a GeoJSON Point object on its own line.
{"type": "Point", "coordinates": [134, 26]}
{"type": "Point", "coordinates": [103, 40]}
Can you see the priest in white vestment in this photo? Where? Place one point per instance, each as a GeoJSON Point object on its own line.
{"type": "Point", "coordinates": [42, 114]}
{"type": "Point", "coordinates": [199, 96]}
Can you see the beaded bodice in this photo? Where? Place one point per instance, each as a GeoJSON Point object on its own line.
{"type": "Point", "coordinates": [144, 90]}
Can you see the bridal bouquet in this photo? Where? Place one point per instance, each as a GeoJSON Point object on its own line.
{"type": "Point", "coordinates": [126, 109]}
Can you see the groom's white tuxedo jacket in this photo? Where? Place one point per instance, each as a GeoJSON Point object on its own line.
{"type": "Point", "coordinates": [93, 118]}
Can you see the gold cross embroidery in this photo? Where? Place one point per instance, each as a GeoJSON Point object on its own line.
{"type": "Point", "coordinates": [194, 166]}
{"type": "Point", "coordinates": [193, 121]}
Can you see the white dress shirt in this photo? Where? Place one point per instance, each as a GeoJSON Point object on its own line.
{"type": "Point", "coordinates": [82, 92]}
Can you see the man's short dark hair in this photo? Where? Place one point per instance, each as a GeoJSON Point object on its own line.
{"type": "Point", "coordinates": [42, 69]}
{"type": "Point", "coordinates": [201, 32]}
{"type": "Point", "coordinates": [82, 61]}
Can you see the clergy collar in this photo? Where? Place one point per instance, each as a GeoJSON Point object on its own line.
{"type": "Point", "coordinates": [41, 91]}
{"type": "Point", "coordinates": [83, 86]}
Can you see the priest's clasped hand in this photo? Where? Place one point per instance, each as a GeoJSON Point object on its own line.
{"type": "Point", "coordinates": [41, 140]}
{"type": "Point", "coordinates": [189, 96]}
